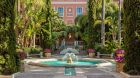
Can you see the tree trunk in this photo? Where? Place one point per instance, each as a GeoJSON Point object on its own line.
{"type": "Point", "coordinates": [103, 24]}
{"type": "Point", "coordinates": [34, 37]}
{"type": "Point", "coordinates": [119, 24]}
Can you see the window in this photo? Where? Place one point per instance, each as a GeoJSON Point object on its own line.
{"type": "Point", "coordinates": [61, 11]}
{"type": "Point", "coordinates": [79, 11]}
{"type": "Point", "coordinates": [69, 12]}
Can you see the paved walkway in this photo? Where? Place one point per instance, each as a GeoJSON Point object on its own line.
{"type": "Point", "coordinates": [58, 72]}
{"type": "Point", "coordinates": [104, 71]}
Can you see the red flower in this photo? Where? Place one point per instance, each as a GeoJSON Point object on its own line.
{"type": "Point", "coordinates": [91, 50]}
{"type": "Point", "coordinates": [47, 51]}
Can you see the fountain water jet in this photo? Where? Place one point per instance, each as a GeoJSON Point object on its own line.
{"type": "Point", "coordinates": [70, 57]}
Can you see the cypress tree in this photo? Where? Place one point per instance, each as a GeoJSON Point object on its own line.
{"type": "Point", "coordinates": [46, 37]}
{"type": "Point", "coordinates": [9, 61]}
{"type": "Point", "coordinates": [91, 21]}
{"type": "Point", "coordinates": [132, 36]}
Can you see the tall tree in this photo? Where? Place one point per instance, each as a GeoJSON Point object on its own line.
{"type": "Point", "coordinates": [48, 15]}
{"type": "Point", "coordinates": [46, 37]}
{"type": "Point", "coordinates": [132, 36]}
{"type": "Point", "coordinates": [9, 60]}
{"type": "Point", "coordinates": [91, 21]}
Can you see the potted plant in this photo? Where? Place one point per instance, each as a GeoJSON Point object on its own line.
{"type": "Point", "coordinates": [91, 52]}
{"type": "Point", "coordinates": [119, 58]}
{"type": "Point", "coordinates": [47, 52]}
{"type": "Point", "coordinates": [21, 54]}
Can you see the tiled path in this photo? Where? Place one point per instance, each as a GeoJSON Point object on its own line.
{"type": "Point", "coordinates": [58, 72]}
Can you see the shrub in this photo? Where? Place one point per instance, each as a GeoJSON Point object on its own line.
{"type": "Point", "coordinates": [32, 50]}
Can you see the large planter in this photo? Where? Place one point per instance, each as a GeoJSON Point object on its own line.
{"type": "Point", "coordinates": [91, 55]}
{"type": "Point", "coordinates": [47, 55]}
{"type": "Point", "coordinates": [119, 67]}
{"type": "Point", "coordinates": [125, 75]}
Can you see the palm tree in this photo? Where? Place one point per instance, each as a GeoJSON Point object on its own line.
{"type": "Point", "coordinates": [132, 36]}
{"type": "Point", "coordinates": [29, 21]}
{"type": "Point", "coordinates": [110, 19]}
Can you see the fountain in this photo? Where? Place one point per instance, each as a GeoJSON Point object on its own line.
{"type": "Point", "coordinates": [69, 60]}
{"type": "Point", "coordinates": [67, 50]}
{"type": "Point", "coordinates": [70, 57]}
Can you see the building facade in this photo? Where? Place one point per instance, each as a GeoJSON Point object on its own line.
{"type": "Point", "coordinates": [69, 9]}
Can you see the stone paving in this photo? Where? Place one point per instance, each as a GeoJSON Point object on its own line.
{"type": "Point", "coordinates": [30, 71]}
{"type": "Point", "coordinates": [58, 72]}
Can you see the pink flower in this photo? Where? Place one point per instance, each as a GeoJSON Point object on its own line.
{"type": "Point", "coordinates": [47, 51]}
{"type": "Point", "coordinates": [119, 59]}
{"type": "Point", "coordinates": [120, 51]}
{"type": "Point", "coordinates": [119, 55]}
{"type": "Point", "coordinates": [91, 50]}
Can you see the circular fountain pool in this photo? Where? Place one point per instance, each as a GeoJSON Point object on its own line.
{"type": "Point", "coordinates": [69, 59]}
{"type": "Point", "coordinates": [76, 63]}
{"type": "Point", "coordinates": [61, 63]}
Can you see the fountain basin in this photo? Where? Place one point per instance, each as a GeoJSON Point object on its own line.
{"type": "Point", "coordinates": [61, 63]}
{"type": "Point", "coordinates": [76, 63]}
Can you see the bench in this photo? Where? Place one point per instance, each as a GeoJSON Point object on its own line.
{"type": "Point", "coordinates": [29, 55]}
{"type": "Point", "coordinates": [99, 55]}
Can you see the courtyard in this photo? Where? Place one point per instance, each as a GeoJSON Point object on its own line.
{"type": "Point", "coordinates": [69, 38]}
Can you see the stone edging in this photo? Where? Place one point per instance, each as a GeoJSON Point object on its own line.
{"type": "Point", "coordinates": [13, 75]}
{"type": "Point", "coordinates": [129, 76]}
{"type": "Point", "coordinates": [5, 76]}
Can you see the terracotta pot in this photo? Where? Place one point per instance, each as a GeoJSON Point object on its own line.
{"type": "Point", "coordinates": [47, 55]}
{"type": "Point", "coordinates": [119, 67]}
{"type": "Point", "coordinates": [125, 75]}
{"type": "Point", "coordinates": [120, 54]}
{"type": "Point", "coordinates": [91, 54]}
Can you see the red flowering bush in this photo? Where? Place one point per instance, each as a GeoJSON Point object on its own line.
{"type": "Point", "coordinates": [47, 51]}
{"type": "Point", "coordinates": [119, 55]}
{"type": "Point", "coordinates": [91, 50]}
